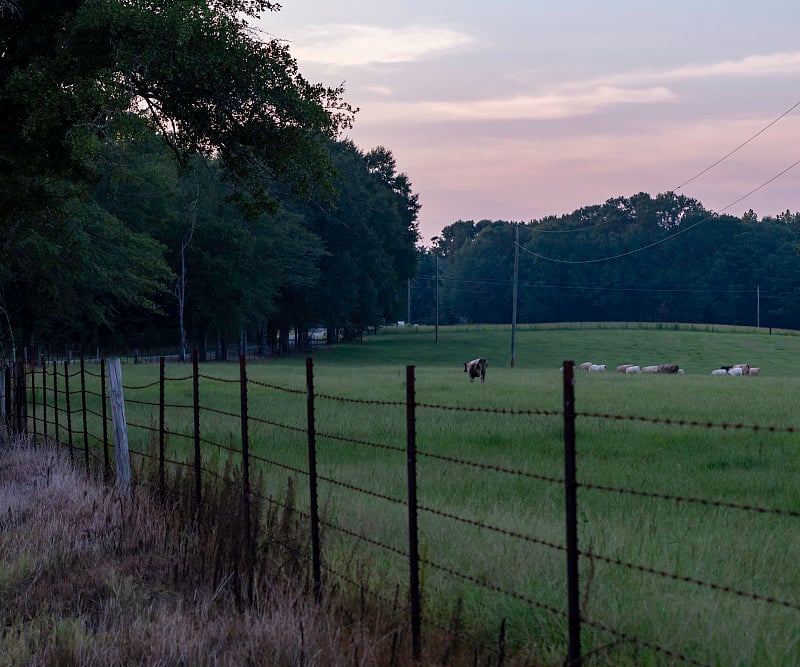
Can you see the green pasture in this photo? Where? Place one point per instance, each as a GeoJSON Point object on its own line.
{"type": "Point", "coordinates": [488, 468]}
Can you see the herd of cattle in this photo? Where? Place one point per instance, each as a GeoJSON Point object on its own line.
{"type": "Point", "coordinates": [477, 369]}
{"type": "Point", "coordinates": [735, 369]}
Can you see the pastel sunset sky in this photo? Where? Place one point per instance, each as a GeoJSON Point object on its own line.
{"type": "Point", "coordinates": [514, 110]}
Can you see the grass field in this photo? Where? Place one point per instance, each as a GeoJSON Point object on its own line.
{"type": "Point", "coordinates": [465, 565]}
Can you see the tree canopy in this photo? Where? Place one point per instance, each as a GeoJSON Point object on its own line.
{"type": "Point", "coordinates": [154, 152]}
{"type": "Point", "coordinates": [661, 258]}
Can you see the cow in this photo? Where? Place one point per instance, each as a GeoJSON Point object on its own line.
{"type": "Point", "coordinates": [735, 371]}
{"type": "Point", "coordinates": [650, 369]}
{"type": "Point", "coordinates": [719, 371]}
{"type": "Point", "coordinates": [633, 369]}
{"type": "Point", "coordinates": [668, 368]}
{"type": "Point", "coordinates": [476, 368]}
{"type": "Point", "coordinates": [598, 368]}
{"type": "Point", "coordinates": [586, 365]}
{"type": "Point", "coordinates": [745, 368]}
{"type": "Point", "coordinates": [754, 371]}
{"type": "Point", "coordinates": [623, 368]}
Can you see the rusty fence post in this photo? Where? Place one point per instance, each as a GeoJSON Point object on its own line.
{"type": "Point", "coordinates": [413, 531]}
{"type": "Point", "coordinates": [104, 410]}
{"type": "Point", "coordinates": [198, 497]}
{"type": "Point", "coordinates": [161, 423]}
{"type": "Point", "coordinates": [33, 404]}
{"type": "Point", "coordinates": [248, 543]}
{"type": "Point", "coordinates": [85, 413]}
{"type": "Point", "coordinates": [571, 518]}
{"type": "Point", "coordinates": [55, 401]}
{"type": "Point", "coordinates": [20, 398]}
{"type": "Point", "coordinates": [316, 563]}
{"type": "Point", "coordinates": [69, 409]}
{"type": "Point", "coordinates": [44, 399]}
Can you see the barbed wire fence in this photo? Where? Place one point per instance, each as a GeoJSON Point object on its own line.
{"type": "Point", "coordinates": [44, 402]}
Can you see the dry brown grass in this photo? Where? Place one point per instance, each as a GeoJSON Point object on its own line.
{"type": "Point", "coordinates": [89, 576]}
{"type": "Point", "coordinates": [92, 577]}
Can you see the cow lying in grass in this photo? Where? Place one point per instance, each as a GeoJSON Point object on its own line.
{"type": "Point", "coordinates": [476, 368]}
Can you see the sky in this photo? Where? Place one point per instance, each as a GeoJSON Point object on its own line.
{"type": "Point", "coordinates": [516, 110]}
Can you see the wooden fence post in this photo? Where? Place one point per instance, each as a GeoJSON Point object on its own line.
{"type": "Point", "coordinates": [121, 455]}
{"type": "Point", "coordinates": [316, 561]}
{"type": "Point", "coordinates": [413, 532]}
{"type": "Point", "coordinates": [571, 517]}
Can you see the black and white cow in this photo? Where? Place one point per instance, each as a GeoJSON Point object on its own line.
{"type": "Point", "coordinates": [476, 368]}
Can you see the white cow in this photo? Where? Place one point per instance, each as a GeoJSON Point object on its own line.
{"type": "Point", "coordinates": [754, 371]}
{"type": "Point", "coordinates": [650, 369]}
{"type": "Point", "coordinates": [598, 368]}
{"type": "Point", "coordinates": [736, 371]}
{"type": "Point", "coordinates": [719, 371]}
{"type": "Point", "coordinates": [633, 369]}
{"type": "Point", "coordinates": [586, 365]}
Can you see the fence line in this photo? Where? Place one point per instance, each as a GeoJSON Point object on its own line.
{"type": "Point", "coordinates": [19, 395]}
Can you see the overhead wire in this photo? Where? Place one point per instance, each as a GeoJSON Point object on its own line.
{"type": "Point", "coordinates": [686, 182]}
{"type": "Point", "coordinates": [627, 253]}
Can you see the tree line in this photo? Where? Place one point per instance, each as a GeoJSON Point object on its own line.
{"type": "Point", "coordinates": [169, 177]}
{"type": "Point", "coordinates": [642, 258]}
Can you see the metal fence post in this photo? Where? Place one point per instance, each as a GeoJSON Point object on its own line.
{"type": "Point", "coordinates": [312, 480]}
{"type": "Point", "coordinates": [248, 544]}
{"type": "Point", "coordinates": [161, 423]}
{"type": "Point", "coordinates": [196, 405]}
{"type": "Point", "coordinates": [44, 399]}
{"type": "Point", "coordinates": [33, 403]}
{"type": "Point", "coordinates": [21, 398]}
{"type": "Point", "coordinates": [104, 408]}
{"type": "Point", "coordinates": [55, 400]}
{"type": "Point", "coordinates": [413, 532]}
{"type": "Point", "coordinates": [69, 409]}
{"type": "Point", "coordinates": [571, 517]}
{"type": "Point", "coordinates": [6, 395]}
{"type": "Point", "coordinates": [83, 408]}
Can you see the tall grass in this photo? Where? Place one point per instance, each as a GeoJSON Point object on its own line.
{"type": "Point", "coordinates": [464, 565]}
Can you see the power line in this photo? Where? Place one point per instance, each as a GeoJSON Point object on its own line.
{"type": "Point", "coordinates": [666, 238]}
{"type": "Point", "coordinates": [740, 146]}
{"type": "Point", "coordinates": [686, 182]}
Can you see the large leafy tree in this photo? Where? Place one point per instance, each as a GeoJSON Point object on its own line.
{"type": "Point", "coordinates": [79, 77]}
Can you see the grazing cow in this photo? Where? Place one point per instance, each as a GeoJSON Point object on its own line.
{"type": "Point", "coordinates": [623, 368]}
{"type": "Point", "coordinates": [633, 369]}
{"type": "Point", "coordinates": [650, 369]}
{"type": "Point", "coordinates": [476, 368]}
{"type": "Point", "coordinates": [586, 365]}
{"type": "Point", "coordinates": [598, 368]}
{"type": "Point", "coordinates": [668, 368]}
{"type": "Point", "coordinates": [719, 371]}
{"type": "Point", "coordinates": [735, 371]}
{"type": "Point", "coordinates": [745, 368]}
{"type": "Point", "coordinates": [754, 371]}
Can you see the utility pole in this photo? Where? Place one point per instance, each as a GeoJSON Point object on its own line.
{"type": "Point", "coordinates": [408, 318]}
{"type": "Point", "coordinates": [514, 300]}
{"type": "Point", "coordinates": [758, 306]}
{"type": "Point", "coordinates": [437, 298]}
